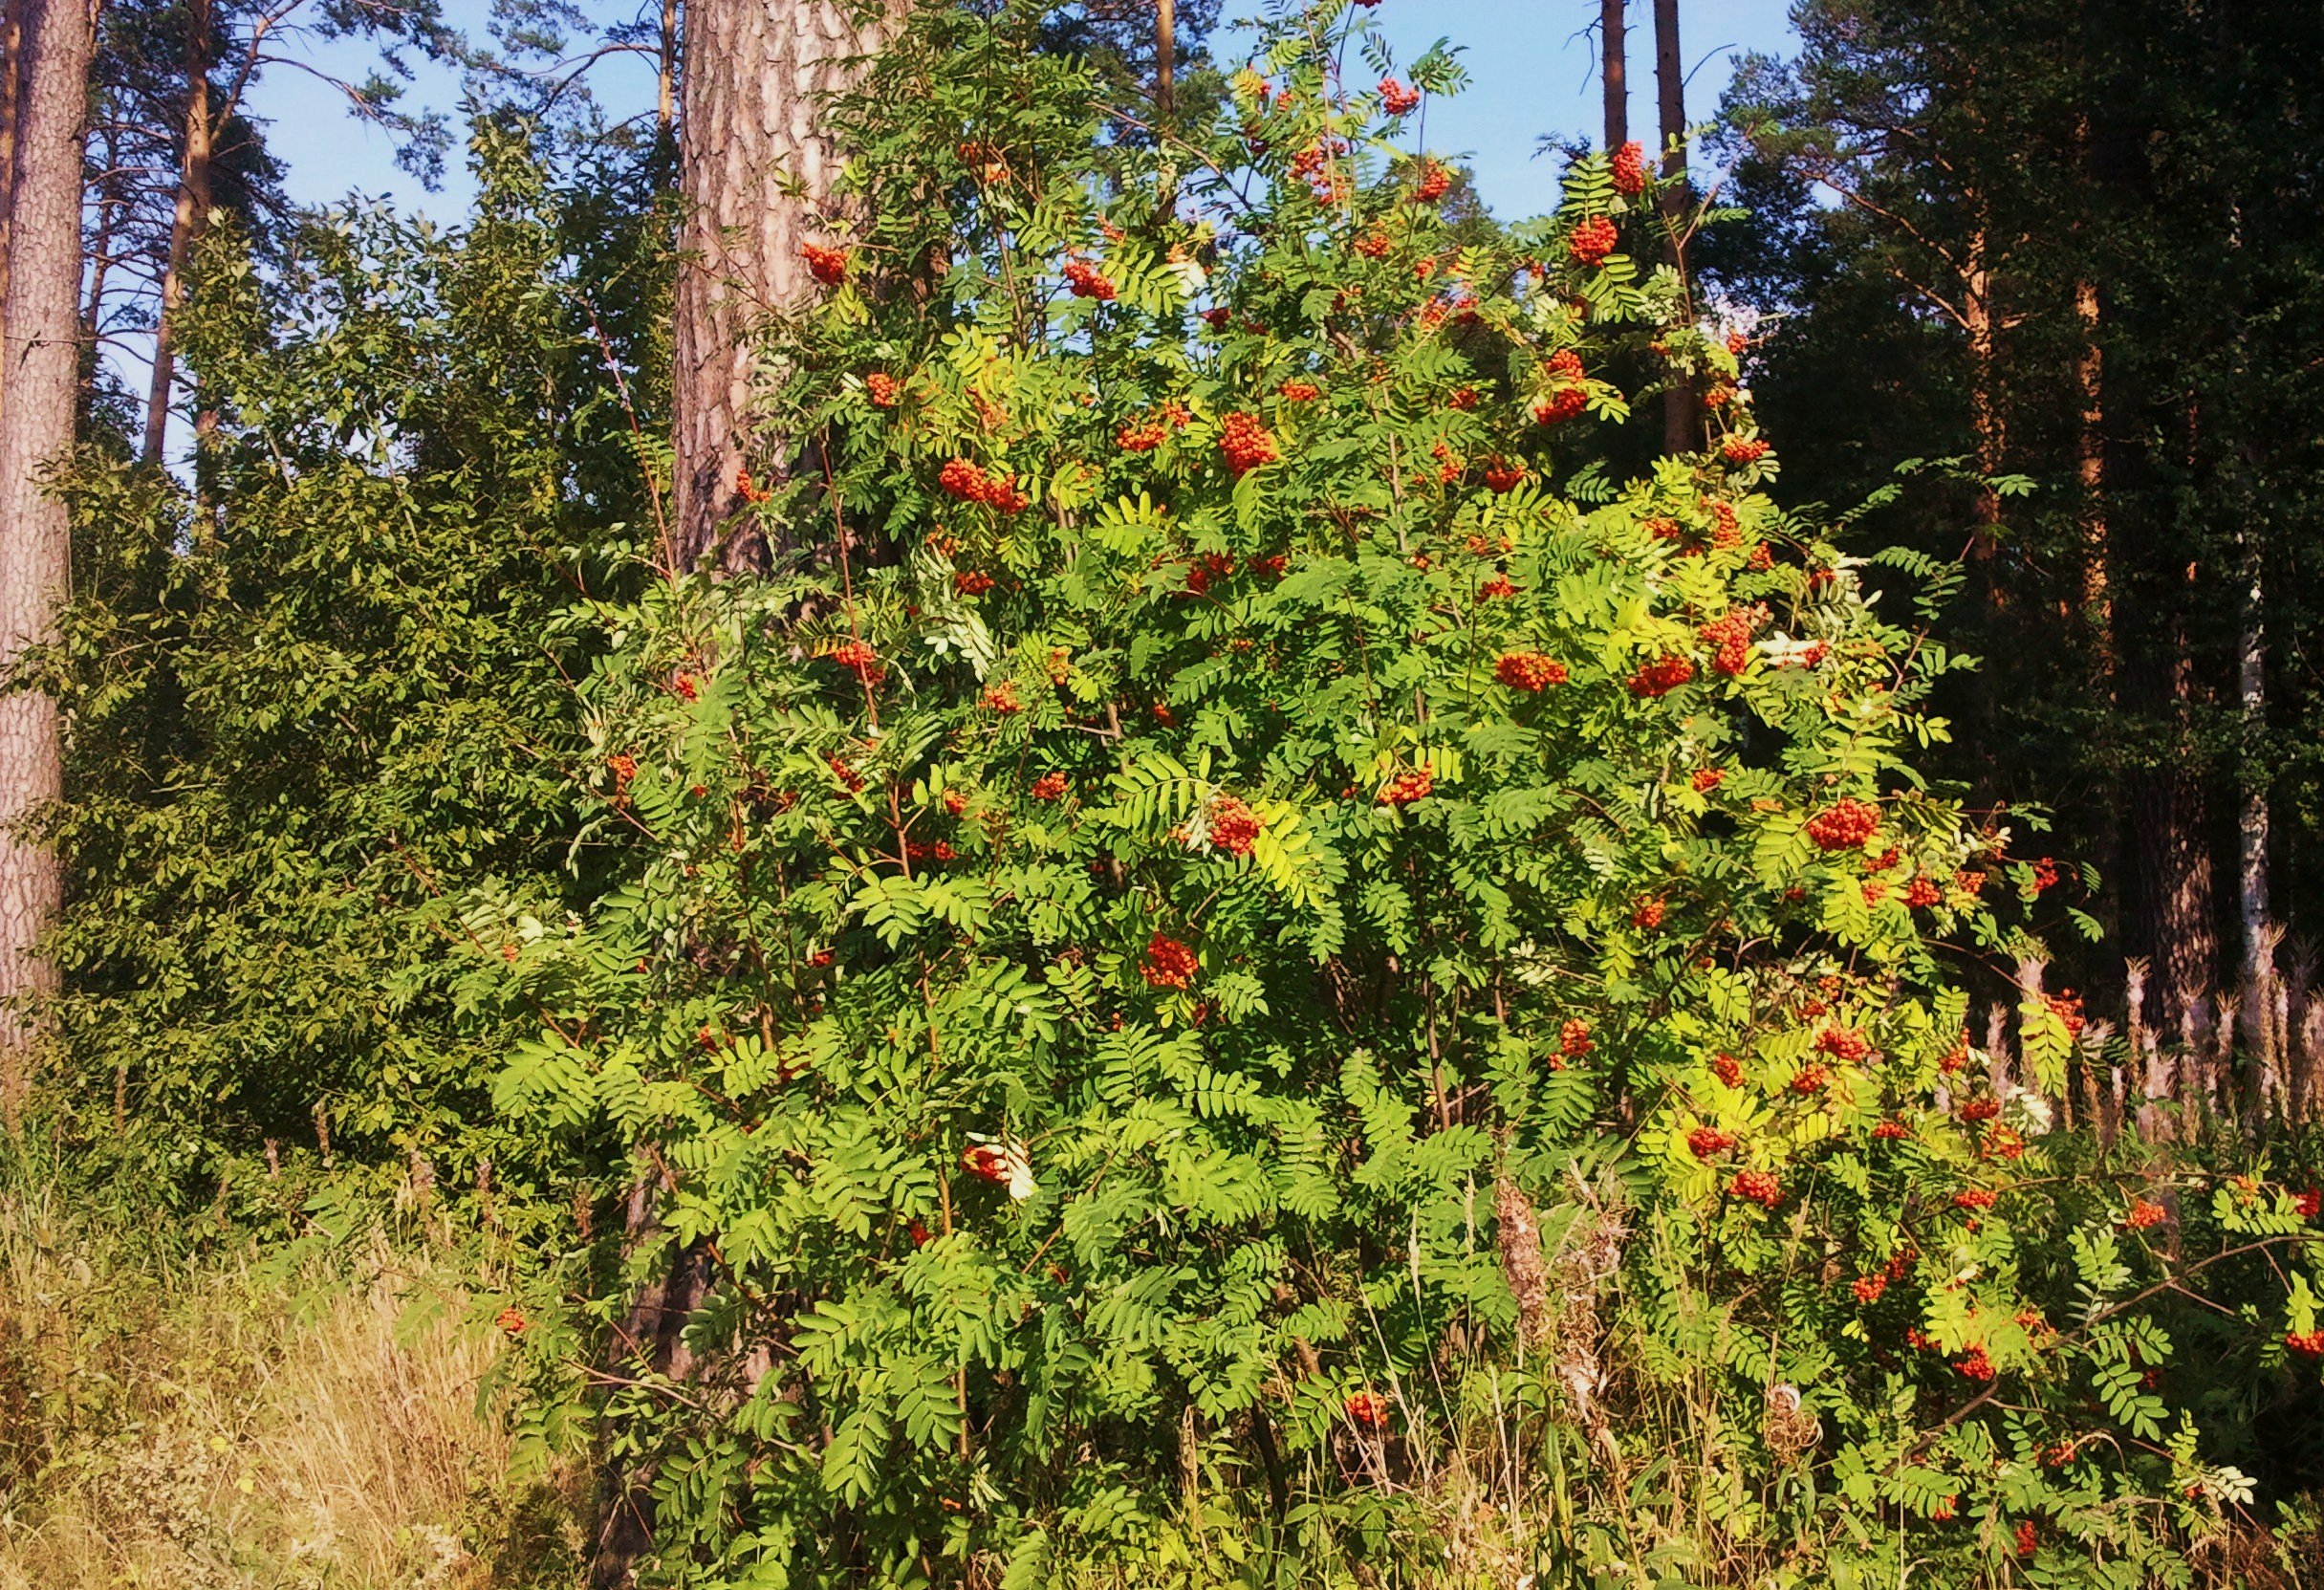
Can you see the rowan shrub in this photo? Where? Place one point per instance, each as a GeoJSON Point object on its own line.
{"type": "Point", "coordinates": [1336, 943]}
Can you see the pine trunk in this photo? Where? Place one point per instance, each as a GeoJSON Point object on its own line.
{"type": "Point", "coordinates": [43, 359]}
{"type": "Point", "coordinates": [186, 223]}
{"type": "Point", "coordinates": [1681, 420]}
{"type": "Point", "coordinates": [12, 48]}
{"type": "Point", "coordinates": [2260, 934]}
{"type": "Point", "coordinates": [757, 169]}
{"type": "Point", "coordinates": [1614, 43]}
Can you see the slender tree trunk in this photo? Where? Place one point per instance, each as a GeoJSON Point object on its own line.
{"type": "Point", "coordinates": [1682, 417]}
{"type": "Point", "coordinates": [1165, 56]}
{"type": "Point", "coordinates": [2089, 475]}
{"type": "Point", "coordinates": [756, 168]}
{"type": "Point", "coordinates": [43, 360]}
{"type": "Point", "coordinates": [666, 83]}
{"type": "Point", "coordinates": [1614, 44]}
{"type": "Point", "coordinates": [185, 223]}
{"type": "Point", "coordinates": [1986, 425]}
{"type": "Point", "coordinates": [2260, 935]}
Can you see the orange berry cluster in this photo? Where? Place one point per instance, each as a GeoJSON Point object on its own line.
{"type": "Point", "coordinates": [1246, 443]}
{"type": "Point", "coordinates": [1845, 825]}
{"type": "Point", "coordinates": [968, 482]}
{"type": "Point", "coordinates": [1406, 787]}
{"type": "Point", "coordinates": [1088, 281]}
{"type": "Point", "coordinates": [828, 266]}
{"type": "Point", "coordinates": [1529, 670]}
{"type": "Point", "coordinates": [1661, 676]}
{"type": "Point", "coordinates": [1168, 962]}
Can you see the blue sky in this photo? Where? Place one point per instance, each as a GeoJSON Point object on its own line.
{"type": "Point", "coordinates": [1532, 73]}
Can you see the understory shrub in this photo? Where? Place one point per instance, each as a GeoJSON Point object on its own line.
{"type": "Point", "coordinates": [1238, 942]}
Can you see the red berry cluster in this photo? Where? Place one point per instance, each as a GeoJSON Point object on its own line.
{"type": "Point", "coordinates": [1843, 1044]}
{"type": "Point", "coordinates": [1233, 825]}
{"type": "Point", "coordinates": [968, 482]}
{"type": "Point", "coordinates": [1629, 168]}
{"type": "Point", "coordinates": [2308, 1343]}
{"type": "Point", "coordinates": [1923, 891]}
{"type": "Point", "coordinates": [1168, 962]}
{"type": "Point", "coordinates": [1503, 476]}
{"type": "Point", "coordinates": [1300, 391]}
{"type": "Point", "coordinates": [1499, 585]}
{"type": "Point", "coordinates": [1088, 281]}
{"type": "Point", "coordinates": [1434, 183]}
{"type": "Point", "coordinates": [1975, 1365]}
{"type": "Point", "coordinates": [2310, 1204]}
{"type": "Point", "coordinates": [624, 769]}
{"type": "Point", "coordinates": [1367, 1408]}
{"type": "Point", "coordinates": [1707, 779]}
{"type": "Point", "coordinates": [858, 657]}
{"type": "Point", "coordinates": [1868, 1288]}
{"type": "Point", "coordinates": [845, 774]}
{"type": "Point", "coordinates": [1809, 1078]}
{"type": "Point", "coordinates": [1050, 785]}
{"type": "Point", "coordinates": [1708, 1143]}
{"type": "Point", "coordinates": [1845, 825]}
{"type": "Point", "coordinates": [1976, 1198]}
{"type": "Point", "coordinates": [1573, 1039]}
{"type": "Point", "coordinates": [1742, 449]}
{"type": "Point", "coordinates": [1406, 787]}
{"type": "Point", "coordinates": [1728, 1070]}
{"type": "Point", "coordinates": [1592, 241]}
{"type": "Point", "coordinates": [972, 582]}
{"type": "Point", "coordinates": [828, 266]}
{"type": "Point", "coordinates": [1661, 676]}
{"type": "Point", "coordinates": [2067, 1006]}
{"type": "Point", "coordinates": [2143, 1214]}
{"type": "Point", "coordinates": [1373, 245]}
{"type": "Point", "coordinates": [1569, 397]}
{"type": "Point", "coordinates": [883, 388]}
{"type": "Point", "coordinates": [1396, 99]}
{"type": "Point", "coordinates": [748, 489]}
{"type": "Point", "coordinates": [1891, 1131]}
{"type": "Point", "coordinates": [2029, 1539]}
{"type": "Point", "coordinates": [1529, 670]}
{"type": "Point", "coordinates": [1002, 697]}
{"type": "Point", "coordinates": [1757, 1186]}
{"type": "Point", "coordinates": [1246, 443]}
{"type": "Point", "coordinates": [1730, 639]}
{"type": "Point", "coordinates": [1980, 1110]}
{"type": "Point", "coordinates": [1648, 914]}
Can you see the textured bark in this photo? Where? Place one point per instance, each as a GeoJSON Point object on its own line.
{"type": "Point", "coordinates": [1681, 415]}
{"type": "Point", "coordinates": [757, 168]}
{"type": "Point", "coordinates": [1613, 42]}
{"type": "Point", "coordinates": [186, 223]}
{"type": "Point", "coordinates": [1985, 376]}
{"type": "Point", "coordinates": [2090, 473]}
{"type": "Point", "coordinates": [43, 358]}
{"type": "Point", "coordinates": [11, 39]}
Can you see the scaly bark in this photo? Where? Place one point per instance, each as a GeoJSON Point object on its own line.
{"type": "Point", "coordinates": [43, 358]}
{"type": "Point", "coordinates": [757, 168]}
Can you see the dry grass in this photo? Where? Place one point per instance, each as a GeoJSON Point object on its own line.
{"type": "Point", "coordinates": [210, 1425]}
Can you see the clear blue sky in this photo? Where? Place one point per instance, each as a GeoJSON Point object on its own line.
{"type": "Point", "coordinates": [1532, 73]}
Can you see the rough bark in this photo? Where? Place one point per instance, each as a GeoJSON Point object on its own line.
{"type": "Point", "coordinates": [1613, 42]}
{"type": "Point", "coordinates": [186, 223]}
{"type": "Point", "coordinates": [43, 358]}
{"type": "Point", "coordinates": [11, 37]}
{"type": "Point", "coordinates": [1682, 417]}
{"type": "Point", "coordinates": [666, 75]}
{"type": "Point", "coordinates": [1985, 376]}
{"type": "Point", "coordinates": [757, 168]}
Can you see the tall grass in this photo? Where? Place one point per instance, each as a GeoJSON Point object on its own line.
{"type": "Point", "coordinates": [211, 1420]}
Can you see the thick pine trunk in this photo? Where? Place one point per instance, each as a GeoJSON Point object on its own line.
{"type": "Point", "coordinates": [1613, 39]}
{"type": "Point", "coordinates": [2260, 934]}
{"type": "Point", "coordinates": [1681, 420]}
{"type": "Point", "coordinates": [43, 360]}
{"type": "Point", "coordinates": [186, 223]}
{"type": "Point", "coordinates": [757, 168]}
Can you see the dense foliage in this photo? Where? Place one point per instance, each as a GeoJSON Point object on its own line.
{"type": "Point", "coordinates": [1236, 927]}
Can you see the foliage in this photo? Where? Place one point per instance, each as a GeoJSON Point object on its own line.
{"type": "Point", "coordinates": [1229, 917]}
{"type": "Point", "coordinates": [312, 703]}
